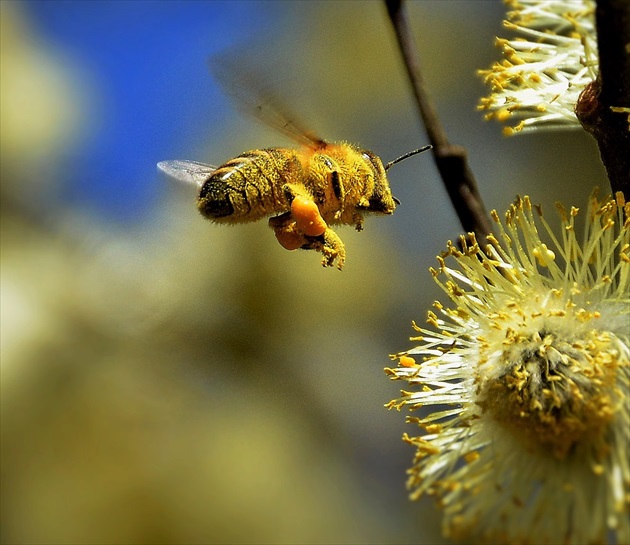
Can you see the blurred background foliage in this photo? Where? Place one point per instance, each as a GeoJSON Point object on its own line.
{"type": "Point", "coordinates": [165, 380]}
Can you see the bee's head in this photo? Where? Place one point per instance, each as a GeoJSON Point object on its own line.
{"type": "Point", "coordinates": [382, 200]}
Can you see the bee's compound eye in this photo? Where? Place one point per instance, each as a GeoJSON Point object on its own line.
{"type": "Point", "coordinates": [373, 160]}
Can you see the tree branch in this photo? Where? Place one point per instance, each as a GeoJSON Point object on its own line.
{"type": "Point", "coordinates": [611, 89]}
{"type": "Point", "coordinates": [450, 160]}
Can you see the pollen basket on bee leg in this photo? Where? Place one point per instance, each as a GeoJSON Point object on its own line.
{"type": "Point", "coordinates": [307, 216]}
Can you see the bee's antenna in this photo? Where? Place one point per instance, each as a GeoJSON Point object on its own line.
{"type": "Point", "coordinates": [403, 157]}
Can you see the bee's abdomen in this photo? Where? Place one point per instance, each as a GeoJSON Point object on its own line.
{"type": "Point", "coordinates": [248, 187]}
{"type": "Point", "coordinates": [214, 200]}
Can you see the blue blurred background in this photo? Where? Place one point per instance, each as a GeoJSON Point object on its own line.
{"type": "Point", "coordinates": [165, 380]}
{"type": "Point", "coordinates": [146, 64]}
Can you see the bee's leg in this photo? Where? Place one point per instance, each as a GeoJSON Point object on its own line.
{"type": "Point", "coordinates": [291, 191]}
{"type": "Point", "coordinates": [307, 216]}
{"type": "Point", "coordinates": [304, 210]}
{"type": "Point", "coordinates": [287, 232]}
{"type": "Point", "coordinates": [333, 249]}
{"type": "Point", "coordinates": [330, 245]}
{"type": "Point", "coordinates": [357, 218]}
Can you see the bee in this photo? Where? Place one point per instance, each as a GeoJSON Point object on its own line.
{"type": "Point", "coordinates": [305, 190]}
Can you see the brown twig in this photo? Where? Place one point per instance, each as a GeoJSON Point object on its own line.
{"type": "Point", "coordinates": [450, 159]}
{"type": "Point", "coordinates": [611, 89]}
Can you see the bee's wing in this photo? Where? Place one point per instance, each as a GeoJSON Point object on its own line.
{"type": "Point", "coordinates": [190, 172]}
{"type": "Point", "coordinates": [253, 93]}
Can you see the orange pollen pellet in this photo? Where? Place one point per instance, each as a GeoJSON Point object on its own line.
{"type": "Point", "coordinates": [290, 239]}
{"type": "Point", "coordinates": [307, 217]}
{"type": "Point", "coordinates": [407, 361]}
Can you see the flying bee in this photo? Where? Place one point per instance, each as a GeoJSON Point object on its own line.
{"type": "Point", "coordinates": [305, 190]}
